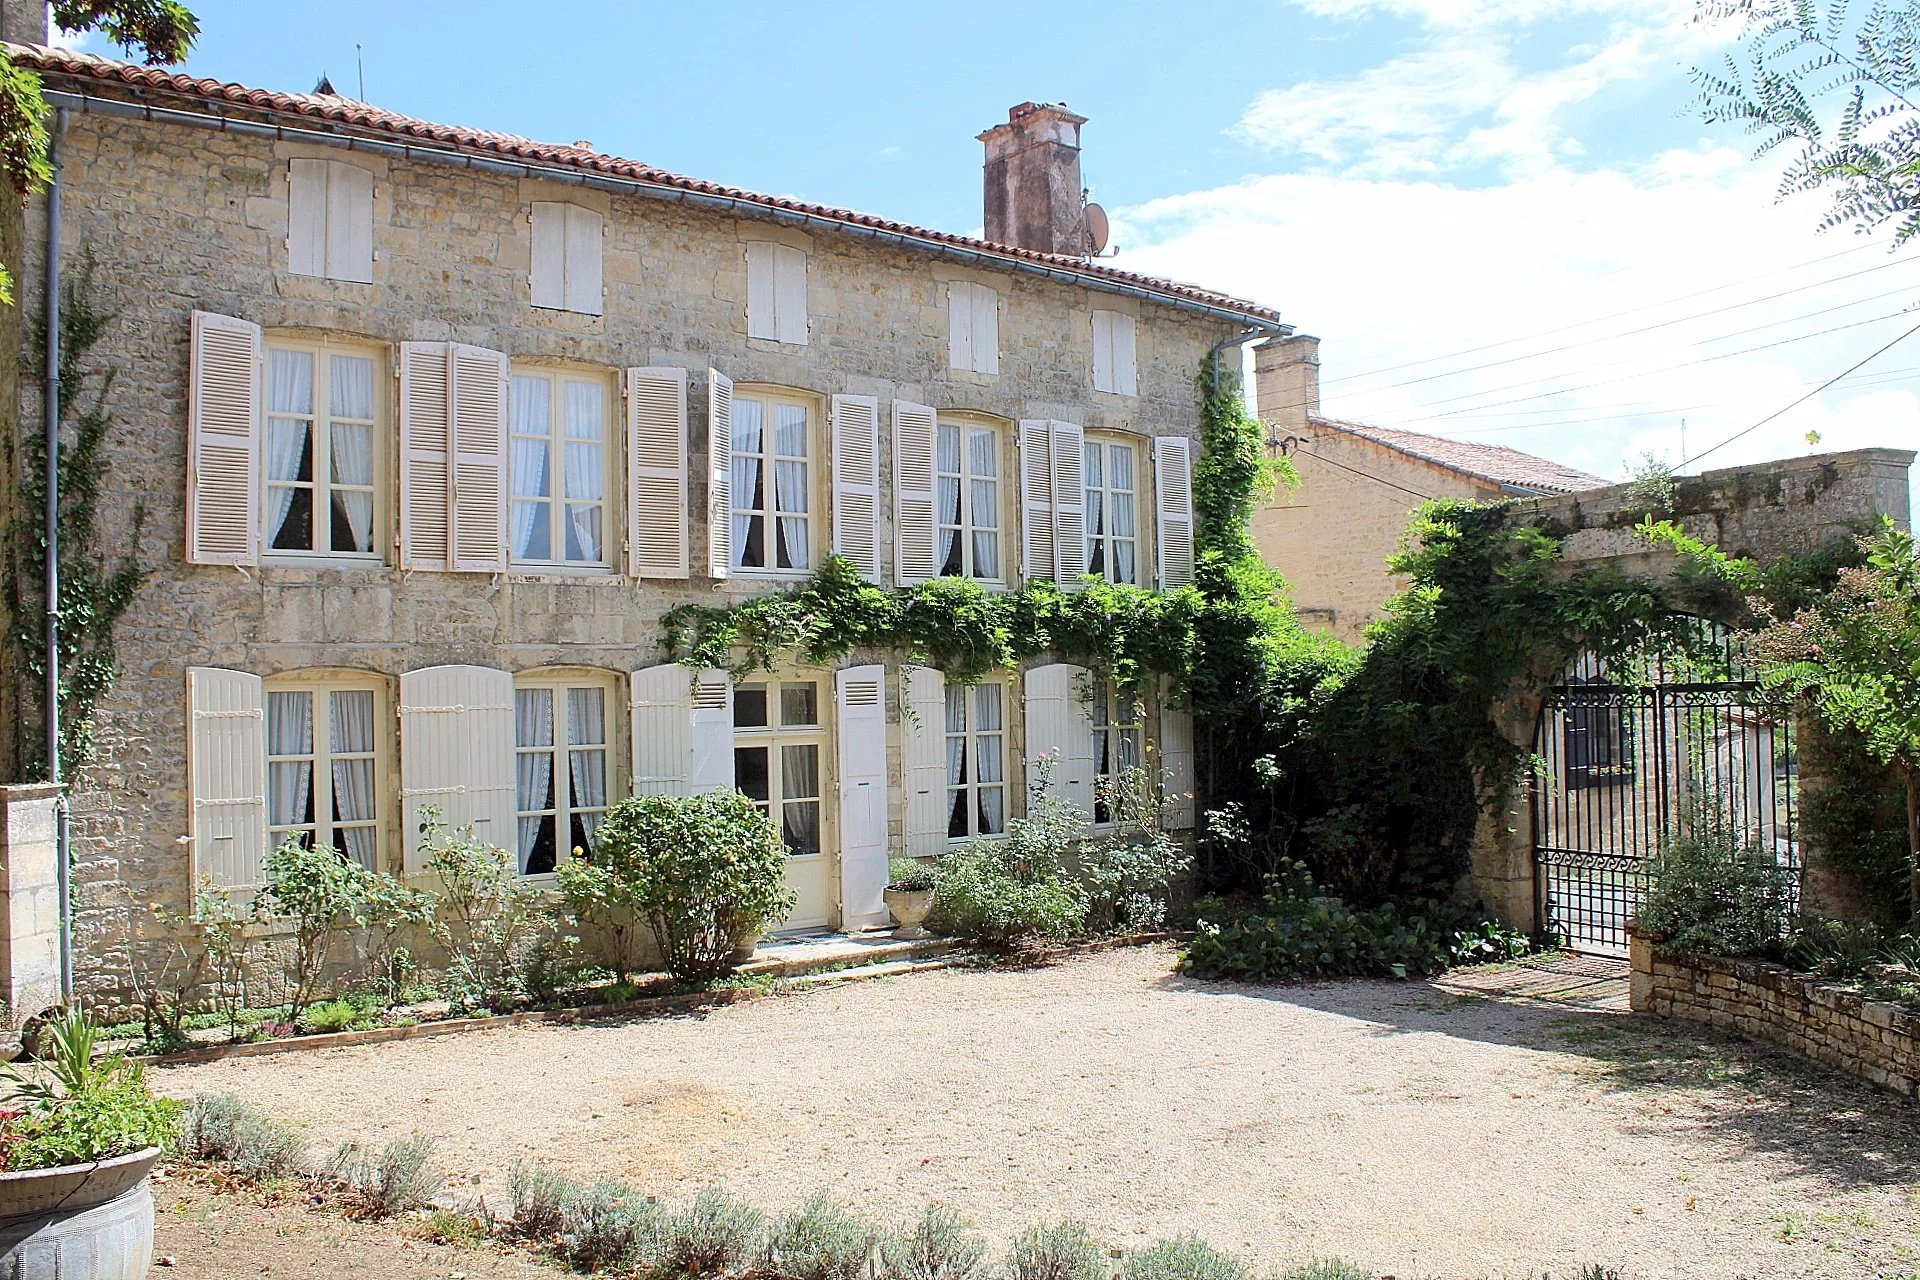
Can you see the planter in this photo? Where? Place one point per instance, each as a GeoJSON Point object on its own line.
{"type": "Point", "coordinates": [746, 939]}
{"type": "Point", "coordinates": [910, 907]}
{"type": "Point", "coordinates": [78, 1222]}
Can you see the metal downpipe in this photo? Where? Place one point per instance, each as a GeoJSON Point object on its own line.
{"type": "Point", "coordinates": [50, 402]}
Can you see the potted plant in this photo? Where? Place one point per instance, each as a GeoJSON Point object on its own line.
{"type": "Point", "coordinates": [78, 1141]}
{"type": "Point", "coordinates": [909, 895]}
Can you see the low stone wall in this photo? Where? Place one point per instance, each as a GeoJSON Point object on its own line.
{"type": "Point", "coordinates": [1871, 1039]}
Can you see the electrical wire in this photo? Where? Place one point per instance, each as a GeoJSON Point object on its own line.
{"type": "Point", "coordinates": [1365, 475]}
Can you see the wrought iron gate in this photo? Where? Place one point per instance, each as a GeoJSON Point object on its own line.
{"type": "Point", "coordinates": [1633, 750]}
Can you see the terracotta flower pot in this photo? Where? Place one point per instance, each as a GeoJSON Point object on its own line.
{"type": "Point", "coordinates": [84, 1221]}
{"type": "Point", "coordinates": [910, 908]}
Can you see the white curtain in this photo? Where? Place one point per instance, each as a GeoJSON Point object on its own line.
{"type": "Point", "coordinates": [289, 733]}
{"type": "Point", "coordinates": [1120, 518]}
{"type": "Point", "coordinates": [947, 497]}
{"type": "Point", "coordinates": [350, 444]}
{"type": "Point", "coordinates": [790, 485]}
{"type": "Point", "coordinates": [532, 458]}
{"type": "Point", "coordinates": [956, 760]}
{"type": "Point", "coordinates": [748, 438]}
{"type": "Point", "coordinates": [587, 769]}
{"type": "Point", "coordinates": [984, 496]}
{"type": "Point", "coordinates": [533, 769]}
{"type": "Point", "coordinates": [290, 393]}
{"type": "Point", "coordinates": [800, 789]}
{"type": "Point", "coordinates": [989, 765]}
{"type": "Point", "coordinates": [351, 731]}
{"type": "Point", "coordinates": [1095, 515]}
{"type": "Point", "coordinates": [584, 424]}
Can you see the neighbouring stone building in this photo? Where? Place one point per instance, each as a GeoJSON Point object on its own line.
{"type": "Point", "coordinates": [431, 425]}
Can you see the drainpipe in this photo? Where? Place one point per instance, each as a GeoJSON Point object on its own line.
{"type": "Point", "coordinates": [50, 400]}
{"type": "Point", "coordinates": [1241, 340]}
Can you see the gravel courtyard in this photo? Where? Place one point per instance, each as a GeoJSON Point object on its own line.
{"type": "Point", "coordinates": [1482, 1126]}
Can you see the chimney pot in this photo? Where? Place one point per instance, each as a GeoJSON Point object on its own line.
{"type": "Point", "coordinates": [26, 22]}
{"type": "Point", "coordinates": [1034, 198]}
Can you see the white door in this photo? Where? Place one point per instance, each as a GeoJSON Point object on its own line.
{"type": "Point", "coordinates": [779, 761]}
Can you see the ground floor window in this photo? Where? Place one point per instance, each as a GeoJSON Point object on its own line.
{"type": "Point", "coordinates": [560, 767]}
{"type": "Point", "coordinates": [323, 768]}
{"type": "Point", "coordinates": [778, 742]}
{"type": "Point", "coordinates": [1117, 730]}
{"type": "Point", "coordinates": [976, 760]}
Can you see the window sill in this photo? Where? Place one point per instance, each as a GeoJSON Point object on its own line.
{"type": "Point", "coordinates": [559, 572]}
{"type": "Point", "coordinates": [330, 564]}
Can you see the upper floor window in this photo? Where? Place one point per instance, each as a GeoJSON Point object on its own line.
{"type": "Point", "coordinates": [1113, 538]}
{"type": "Point", "coordinates": [1113, 352]}
{"type": "Point", "coordinates": [330, 220]}
{"type": "Point", "coordinates": [567, 243]}
{"type": "Point", "coordinates": [778, 738]}
{"type": "Point", "coordinates": [973, 327]}
{"type": "Point", "coordinates": [967, 491]}
{"type": "Point", "coordinates": [976, 760]}
{"type": "Point", "coordinates": [324, 452]}
{"type": "Point", "coordinates": [560, 766]}
{"type": "Point", "coordinates": [1117, 741]}
{"type": "Point", "coordinates": [776, 292]}
{"type": "Point", "coordinates": [772, 482]}
{"type": "Point", "coordinates": [561, 450]}
{"type": "Point", "coordinates": [324, 759]}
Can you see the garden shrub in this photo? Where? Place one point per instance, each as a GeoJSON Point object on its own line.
{"type": "Point", "coordinates": [1015, 888]}
{"type": "Point", "coordinates": [538, 1199]}
{"type": "Point", "coordinates": [1063, 1251]}
{"type": "Point", "coordinates": [911, 875]}
{"type": "Point", "coordinates": [1715, 890]}
{"type": "Point", "coordinates": [695, 869]}
{"type": "Point", "coordinates": [221, 1129]}
{"type": "Point", "coordinates": [942, 1245]}
{"type": "Point", "coordinates": [607, 1225]}
{"type": "Point", "coordinates": [1182, 1258]}
{"type": "Point", "coordinates": [334, 1015]}
{"type": "Point", "coordinates": [713, 1236]}
{"type": "Point", "coordinates": [1326, 1269]}
{"type": "Point", "coordinates": [488, 919]}
{"type": "Point", "coordinates": [818, 1241]}
{"type": "Point", "coordinates": [75, 1107]}
{"type": "Point", "coordinates": [1129, 874]}
{"type": "Point", "coordinates": [1835, 948]}
{"type": "Point", "coordinates": [398, 1178]}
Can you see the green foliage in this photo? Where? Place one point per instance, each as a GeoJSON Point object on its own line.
{"type": "Point", "coordinates": [911, 875]}
{"type": "Point", "coordinates": [539, 1199]}
{"type": "Point", "coordinates": [818, 1241]}
{"type": "Point", "coordinates": [319, 894]}
{"type": "Point", "coordinates": [104, 1118]}
{"type": "Point", "coordinates": [159, 31]}
{"type": "Point", "coordinates": [1855, 817]}
{"type": "Point", "coordinates": [1835, 948]}
{"type": "Point", "coordinates": [1182, 1258]}
{"type": "Point", "coordinates": [221, 1129]}
{"type": "Point", "coordinates": [942, 1245]}
{"type": "Point", "coordinates": [398, 1178]}
{"type": "Point", "coordinates": [335, 1015]}
{"type": "Point", "coordinates": [1330, 1269]}
{"type": "Point", "coordinates": [1128, 873]}
{"type": "Point", "coordinates": [696, 869]}
{"type": "Point", "coordinates": [1015, 888]}
{"type": "Point", "coordinates": [1715, 890]}
{"type": "Point", "coordinates": [1062, 1251]}
{"type": "Point", "coordinates": [488, 919]}
{"type": "Point", "coordinates": [607, 1226]}
{"type": "Point", "coordinates": [716, 1235]}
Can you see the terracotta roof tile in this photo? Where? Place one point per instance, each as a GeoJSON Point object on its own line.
{"type": "Point", "coordinates": [324, 109]}
{"type": "Point", "coordinates": [1489, 462]}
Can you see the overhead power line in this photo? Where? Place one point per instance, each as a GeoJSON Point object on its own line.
{"type": "Point", "coordinates": [1366, 475]}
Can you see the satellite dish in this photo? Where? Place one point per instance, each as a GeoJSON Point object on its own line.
{"type": "Point", "coordinates": [1096, 229]}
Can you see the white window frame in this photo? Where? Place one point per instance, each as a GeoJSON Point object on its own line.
{"type": "Point", "coordinates": [320, 688]}
{"type": "Point", "coordinates": [769, 400]}
{"type": "Point", "coordinates": [1113, 739]}
{"type": "Point", "coordinates": [1101, 543]}
{"type": "Point", "coordinates": [558, 685]}
{"type": "Point", "coordinates": [322, 351]}
{"type": "Point", "coordinates": [556, 503]}
{"type": "Point", "coordinates": [971, 738]}
{"type": "Point", "coordinates": [777, 734]}
{"type": "Point", "coordinates": [967, 426]}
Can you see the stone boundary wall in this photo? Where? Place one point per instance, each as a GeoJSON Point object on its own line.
{"type": "Point", "coordinates": [1874, 1040]}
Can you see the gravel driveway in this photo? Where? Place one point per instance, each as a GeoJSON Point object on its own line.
{"type": "Point", "coordinates": [1450, 1129]}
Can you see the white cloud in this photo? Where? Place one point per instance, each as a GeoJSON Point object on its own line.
{"type": "Point", "coordinates": [1459, 14]}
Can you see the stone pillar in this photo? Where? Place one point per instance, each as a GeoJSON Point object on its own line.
{"type": "Point", "coordinates": [1640, 964]}
{"type": "Point", "coordinates": [1286, 382]}
{"type": "Point", "coordinates": [26, 22]}
{"type": "Point", "coordinates": [29, 901]}
{"type": "Point", "coordinates": [1034, 199]}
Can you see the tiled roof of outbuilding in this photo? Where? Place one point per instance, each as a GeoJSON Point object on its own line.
{"type": "Point", "coordinates": [1491, 462]}
{"type": "Point", "coordinates": [324, 111]}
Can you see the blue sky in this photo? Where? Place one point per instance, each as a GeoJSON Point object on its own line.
{"type": "Point", "coordinates": [1450, 193]}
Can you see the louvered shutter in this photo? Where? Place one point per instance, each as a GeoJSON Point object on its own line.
{"type": "Point", "coordinates": [456, 754]}
{"type": "Point", "coordinates": [479, 414]}
{"type": "Point", "coordinates": [426, 456]}
{"type": "Point", "coordinates": [915, 535]}
{"type": "Point", "coordinates": [223, 440]}
{"type": "Point", "coordinates": [307, 217]}
{"type": "Point", "coordinates": [227, 776]}
{"type": "Point", "coordinates": [1067, 446]}
{"type": "Point", "coordinates": [657, 473]}
{"type": "Point", "coordinates": [1176, 761]}
{"type": "Point", "coordinates": [1059, 729]}
{"type": "Point", "coordinates": [662, 730]}
{"type": "Point", "coordinates": [959, 325]}
{"type": "Point", "coordinates": [549, 221]}
{"type": "Point", "coordinates": [863, 795]}
{"type": "Point", "coordinates": [986, 330]}
{"type": "Point", "coordinates": [856, 482]}
{"type": "Point", "coordinates": [1173, 500]}
{"type": "Point", "coordinates": [1036, 501]}
{"type": "Point", "coordinates": [790, 295]}
{"type": "Point", "coordinates": [923, 760]}
{"type": "Point", "coordinates": [349, 222]}
{"type": "Point", "coordinates": [1103, 350]}
{"type": "Point", "coordinates": [710, 760]}
{"type": "Point", "coordinates": [585, 242]}
{"type": "Point", "coordinates": [719, 474]}
{"type": "Point", "coordinates": [761, 291]}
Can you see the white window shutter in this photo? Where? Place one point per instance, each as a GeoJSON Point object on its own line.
{"type": "Point", "coordinates": [456, 754]}
{"type": "Point", "coordinates": [662, 730]}
{"type": "Point", "coordinates": [915, 537]}
{"type": "Point", "coordinates": [1124, 373]}
{"type": "Point", "coordinates": [1173, 500]}
{"type": "Point", "coordinates": [1102, 350]}
{"type": "Point", "coordinates": [349, 222]}
{"type": "Point", "coordinates": [479, 418]}
{"type": "Point", "coordinates": [710, 760]}
{"type": "Point", "coordinates": [585, 242]}
{"type": "Point", "coordinates": [307, 217]}
{"type": "Point", "coordinates": [1060, 729]}
{"type": "Point", "coordinates": [856, 482]}
{"type": "Point", "coordinates": [657, 473]}
{"type": "Point", "coordinates": [860, 693]}
{"type": "Point", "coordinates": [923, 760]}
{"type": "Point", "coordinates": [223, 433]}
{"type": "Point", "coordinates": [227, 775]}
{"type": "Point", "coordinates": [426, 455]}
{"type": "Point", "coordinates": [1037, 560]}
{"type": "Point", "coordinates": [719, 474]}
{"type": "Point", "coordinates": [986, 330]}
{"type": "Point", "coordinates": [790, 295]}
{"type": "Point", "coordinates": [1068, 463]}
{"type": "Point", "coordinates": [761, 292]}
{"type": "Point", "coordinates": [549, 220]}
{"type": "Point", "coordinates": [959, 325]}
{"type": "Point", "coordinates": [1176, 761]}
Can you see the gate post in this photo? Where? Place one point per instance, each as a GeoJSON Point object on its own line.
{"type": "Point", "coordinates": [29, 902]}
{"type": "Point", "coordinates": [1501, 873]}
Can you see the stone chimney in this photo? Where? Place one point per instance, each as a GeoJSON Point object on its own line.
{"type": "Point", "coordinates": [1286, 382]}
{"type": "Point", "coordinates": [26, 22]}
{"type": "Point", "coordinates": [1034, 197]}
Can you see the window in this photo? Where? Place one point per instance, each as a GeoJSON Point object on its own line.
{"type": "Point", "coordinates": [777, 742]}
{"type": "Point", "coordinates": [324, 762]}
{"type": "Point", "coordinates": [976, 760]}
{"type": "Point", "coordinates": [323, 451]}
{"type": "Point", "coordinates": [1113, 540]}
{"type": "Point", "coordinates": [777, 293]}
{"type": "Point", "coordinates": [967, 483]}
{"type": "Point", "coordinates": [560, 767]}
{"type": "Point", "coordinates": [1598, 746]}
{"type": "Point", "coordinates": [330, 220]}
{"type": "Point", "coordinates": [1113, 368]}
{"type": "Point", "coordinates": [567, 245]}
{"type": "Point", "coordinates": [560, 461]}
{"type": "Point", "coordinates": [772, 522]}
{"type": "Point", "coordinates": [973, 332]}
{"type": "Point", "coordinates": [1116, 742]}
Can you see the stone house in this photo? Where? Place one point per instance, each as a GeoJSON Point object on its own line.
{"type": "Point", "coordinates": [431, 425]}
{"type": "Point", "coordinates": [1359, 484]}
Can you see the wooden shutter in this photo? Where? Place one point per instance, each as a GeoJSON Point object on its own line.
{"type": "Point", "coordinates": [1176, 761]}
{"type": "Point", "coordinates": [790, 295]}
{"type": "Point", "coordinates": [585, 242]}
{"type": "Point", "coordinates": [860, 693]}
{"type": "Point", "coordinates": [760, 291]}
{"type": "Point", "coordinates": [657, 473]}
{"type": "Point", "coordinates": [1173, 500]}
{"type": "Point", "coordinates": [456, 754]}
{"type": "Point", "coordinates": [1067, 445]}
{"type": "Point", "coordinates": [307, 217]}
{"type": "Point", "coordinates": [710, 759]}
{"type": "Point", "coordinates": [426, 456]}
{"type": "Point", "coordinates": [923, 760]}
{"type": "Point", "coordinates": [719, 474]}
{"type": "Point", "coordinates": [479, 418]}
{"type": "Point", "coordinates": [549, 222]}
{"type": "Point", "coordinates": [1037, 560]}
{"type": "Point", "coordinates": [223, 440]}
{"type": "Point", "coordinates": [856, 482]}
{"type": "Point", "coordinates": [959, 325]}
{"type": "Point", "coordinates": [1123, 358]}
{"type": "Point", "coordinates": [915, 532]}
{"type": "Point", "coordinates": [1102, 350]}
{"type": "Point", "coordinates": [662, 730]}
{"type": "Point", "coordinates": [986, 330]}
{"type": "Point", "coordinates": [1059, 729]}
{"type": "Point", "coordinates": [227, 776]}
{"type": "Point", "coordinates": [349, 222]}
